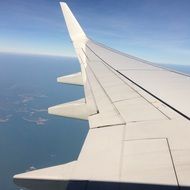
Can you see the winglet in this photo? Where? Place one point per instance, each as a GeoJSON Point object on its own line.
{"type": "Point", "coordinates": [75, 31]}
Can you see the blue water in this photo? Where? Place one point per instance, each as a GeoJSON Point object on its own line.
{"type": "Point", "coordinates": [29, 137]}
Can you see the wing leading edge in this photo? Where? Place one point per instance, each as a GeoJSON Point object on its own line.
{"type": "Point", "coordinates": [138, 118]}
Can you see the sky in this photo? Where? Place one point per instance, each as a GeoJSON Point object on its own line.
{"type": "Point", "coordinates": [155, 30]}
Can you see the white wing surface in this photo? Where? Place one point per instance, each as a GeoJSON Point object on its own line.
{"type": "Point", "coordinates": [138, 113]}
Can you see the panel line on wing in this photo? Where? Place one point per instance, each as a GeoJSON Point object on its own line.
{"type": "Point", "coordinates": [107, 114]}
{"type": "Point", "coordinates": [168, 88]}
{"type": "Point", "coordinates": [108, 126]}
{"type": "Point", "coordinates": [170, 152]}
{"type": "Point", "coordinates": [105, 106]}
{"type": "Point", "coordinates": [113, 69]}
{"type": "Point", "coordinates": [100, 84]}
{"type": "Point", "coordinates": [104, 90]}
{"type": "Point", "coordinates": [182, 114]}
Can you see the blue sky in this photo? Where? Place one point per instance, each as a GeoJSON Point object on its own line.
{"type": "Point", "coordinates": [156, 30]}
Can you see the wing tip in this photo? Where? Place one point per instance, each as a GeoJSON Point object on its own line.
{"type": "Point", "coordinates": [63, 3]}
{"type": "Point", "coordinates": [75, 30]}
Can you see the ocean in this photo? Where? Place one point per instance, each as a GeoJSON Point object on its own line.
{"type": "Point", "coordinates": [30, 138]}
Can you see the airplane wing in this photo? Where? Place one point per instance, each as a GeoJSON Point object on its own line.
{"type": "Point", "coordinates": [139, 129]}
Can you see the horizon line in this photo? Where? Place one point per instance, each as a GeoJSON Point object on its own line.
{"type": "Point", "coordinates": [36, 54]}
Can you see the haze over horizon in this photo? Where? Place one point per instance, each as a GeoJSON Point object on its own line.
{"type": "Point", "coordinates": [157, 31]}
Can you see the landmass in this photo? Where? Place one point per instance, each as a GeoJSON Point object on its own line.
{"type": "Point", "coordinates": [17, 103]}
{"type": "Point", "coordinates": [38, 121]}
{"type": "Point", "coordinates": [4, 119]}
